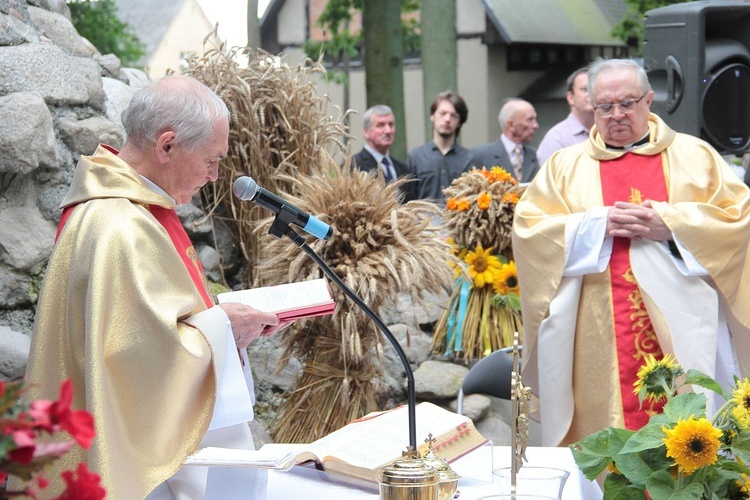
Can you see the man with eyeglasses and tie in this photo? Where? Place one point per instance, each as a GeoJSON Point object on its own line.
{"type": "Point", "coordinates": [633, 243]}
{"type": "Point", "coordinates": [379, 132]}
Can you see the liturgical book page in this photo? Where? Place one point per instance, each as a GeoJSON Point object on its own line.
{"type": "Point", "coordinates": [289, 301]}
{"type": "Point", "coordinates": [365, 446]}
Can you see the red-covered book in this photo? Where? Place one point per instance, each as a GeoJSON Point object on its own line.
{"type": "Point", "coordinates": [302, 299]}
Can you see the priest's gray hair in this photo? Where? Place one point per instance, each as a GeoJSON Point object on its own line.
{"type": "Point", "coordinates": [601, 65]}
{"type": "Point", "coordinates": [178, 103]}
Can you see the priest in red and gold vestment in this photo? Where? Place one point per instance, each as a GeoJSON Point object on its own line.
{"type": "Point", "coordinates": [124, 312]}
{"type": "Point", "coordinates": [632, 243]}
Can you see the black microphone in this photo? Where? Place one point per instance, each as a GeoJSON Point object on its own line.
{"type": "Point", "coordinates": [245, 188]}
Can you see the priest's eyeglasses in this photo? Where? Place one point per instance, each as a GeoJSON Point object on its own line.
{"type": "Point", "coordinates": [626, 106]}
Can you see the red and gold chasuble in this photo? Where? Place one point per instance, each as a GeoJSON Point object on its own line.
{"type": "Point", "coordinates": [631, 178]}
{"type": "Point", "coordinates": [167, 217]}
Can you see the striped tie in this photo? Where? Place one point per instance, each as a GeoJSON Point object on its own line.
{"type": "Point", "coordinates": [389, 177]}
{"type": "Point", "coordinates": [517, 161]}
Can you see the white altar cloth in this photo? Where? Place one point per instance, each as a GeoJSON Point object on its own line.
{"type": "Point", "coordinates": [310, 485]}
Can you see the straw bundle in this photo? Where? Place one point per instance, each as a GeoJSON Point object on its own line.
{"type": "Point", "coordinates": [279, 126]}
{"type": "Point", "coordinates": [281, 133]}
{"type": "Point", "coordinates": [380, 249]}
{"type": "Point", "coordinates": [484, 311]}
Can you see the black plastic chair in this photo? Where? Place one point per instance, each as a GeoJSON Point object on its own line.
{"type": "Point", "coordinates": [491, 375]}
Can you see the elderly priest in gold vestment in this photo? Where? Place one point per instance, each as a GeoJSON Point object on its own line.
{"type": "Point", "coordinates": [125, 314]}
{"type": "Point", "coordinates": [634, 242]}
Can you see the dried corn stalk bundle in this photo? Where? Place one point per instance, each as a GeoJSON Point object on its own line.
{"type": "Point", "coordinates": [380, 249]}
{"type": "Point", "coordinates": [279, 125]}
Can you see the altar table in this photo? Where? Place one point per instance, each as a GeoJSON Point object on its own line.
{"type": "Point", "coordinates": [306, 483]}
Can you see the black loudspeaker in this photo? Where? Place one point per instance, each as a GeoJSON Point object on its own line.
{"type": "Point", "coordinates": [697, 57]}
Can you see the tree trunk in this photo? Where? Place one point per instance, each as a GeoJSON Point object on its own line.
{"type": "Point", "coordinates": [439, 58]}
{"type": "Point", "coordinates": [253, 26]}
{"type": "Point", "coordinates": [384, 53]}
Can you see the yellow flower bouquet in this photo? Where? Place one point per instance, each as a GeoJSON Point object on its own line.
{"type": "Point", "coordinates": [679, 453]}
{"type": "Point", "coordinates": [484, 309]}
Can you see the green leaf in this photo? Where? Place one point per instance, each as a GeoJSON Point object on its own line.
{"type": "Point", "coordinates": [99, 23]}
{"type": "Point", "coordinates": [638, 467]}
{"type": "Point", "coordinates": [741, 447]}
{"type": "Point", "coordinates": [650, 436]}
{"type": "Point", "coordinates": [697, 377]}
{"type": "Point", "coordinates": [661, 485]}
{"type": "Point", "coordinates": [684, 406]}
{"type": "Point", "coordinates": [598, 443]}
{"type": "Point", "coordinates": [593, 453]}
{"type": "Point", "coordinates": [617, 487]}
{"type": "Point", "coordinates": [630, 27]}
{"type": "Point", "coordinates": [732, 466]}
{"type": "Point", "coordinates": [514, 301]}
{"type": "Point", "coordinates": [590, 465]}
{"type": "Point", "coordinates": [617, 439]}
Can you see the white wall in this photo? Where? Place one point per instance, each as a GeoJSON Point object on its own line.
{"type": "Point", "coordinates": [186, 34]}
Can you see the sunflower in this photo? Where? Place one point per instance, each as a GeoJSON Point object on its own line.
{"type": "Point", "coordinates": [741, 399]}
{"type": "Point", "coordinates": [743, 484]}
{"type": "Point", "coordinates": [484, 200]}
{"type": "Point", "coordinates": [460, 253]}
{"type": "Point", "coordinates": [692, 443]}
{"type": "Point", "coordinates": [483, 266]}
{"type": "Point", "coordinates": [656, 378]}
{"type": "Point", "coordinates": [506, 280]}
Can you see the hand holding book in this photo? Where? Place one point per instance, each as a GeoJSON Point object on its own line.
{"type": "Point", "coordinates": [290, 301]}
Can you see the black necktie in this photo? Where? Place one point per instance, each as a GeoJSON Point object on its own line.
{"type": "Point", "coordinates": [387, 170]}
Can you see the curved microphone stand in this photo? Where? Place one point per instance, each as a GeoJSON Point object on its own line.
{"type": "Point", "coordinates": [279, 228]}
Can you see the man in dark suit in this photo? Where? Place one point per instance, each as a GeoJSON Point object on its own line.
{"type": "Point", "coordinates": [511, 150]}
{"type": "Point", "coordinates": [379, 131]}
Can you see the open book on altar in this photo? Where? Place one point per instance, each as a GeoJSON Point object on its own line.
{"type": "Point", "coordinates": [363, 447]}
{"type": "Point", "coordinates": [302, 299]}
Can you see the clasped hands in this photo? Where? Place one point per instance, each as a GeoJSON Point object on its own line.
{"type": "Point", "coordinates": [627, 220]}
{"type": "Point", "coordinates": [248, 323]}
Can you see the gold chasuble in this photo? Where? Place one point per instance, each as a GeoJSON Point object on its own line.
{"type": "Point", "coordinates": [587, 330]}
{"type": "Point", "coordinates": [633, 179]}
{"type": "Point", "coordinates": [120, 285]}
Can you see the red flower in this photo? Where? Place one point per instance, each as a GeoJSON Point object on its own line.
{"type": "Point", "coordinates": [25, 446]}
{"type": "Point", "coordinates": [54, 415]}
{"type": "Point", "coordinates": [84, 487]}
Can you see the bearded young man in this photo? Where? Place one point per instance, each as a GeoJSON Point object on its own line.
{"type": "Point", "coordinates": [632, 243]}
{"type": "Point", "coordinates": [443, 159]}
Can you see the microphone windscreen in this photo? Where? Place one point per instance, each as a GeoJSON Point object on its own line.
{"type": "Point", "coordinates": [245, 188]}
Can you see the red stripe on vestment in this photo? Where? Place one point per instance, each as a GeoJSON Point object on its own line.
{"type": "Point", "coordinates": [631, 178]}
